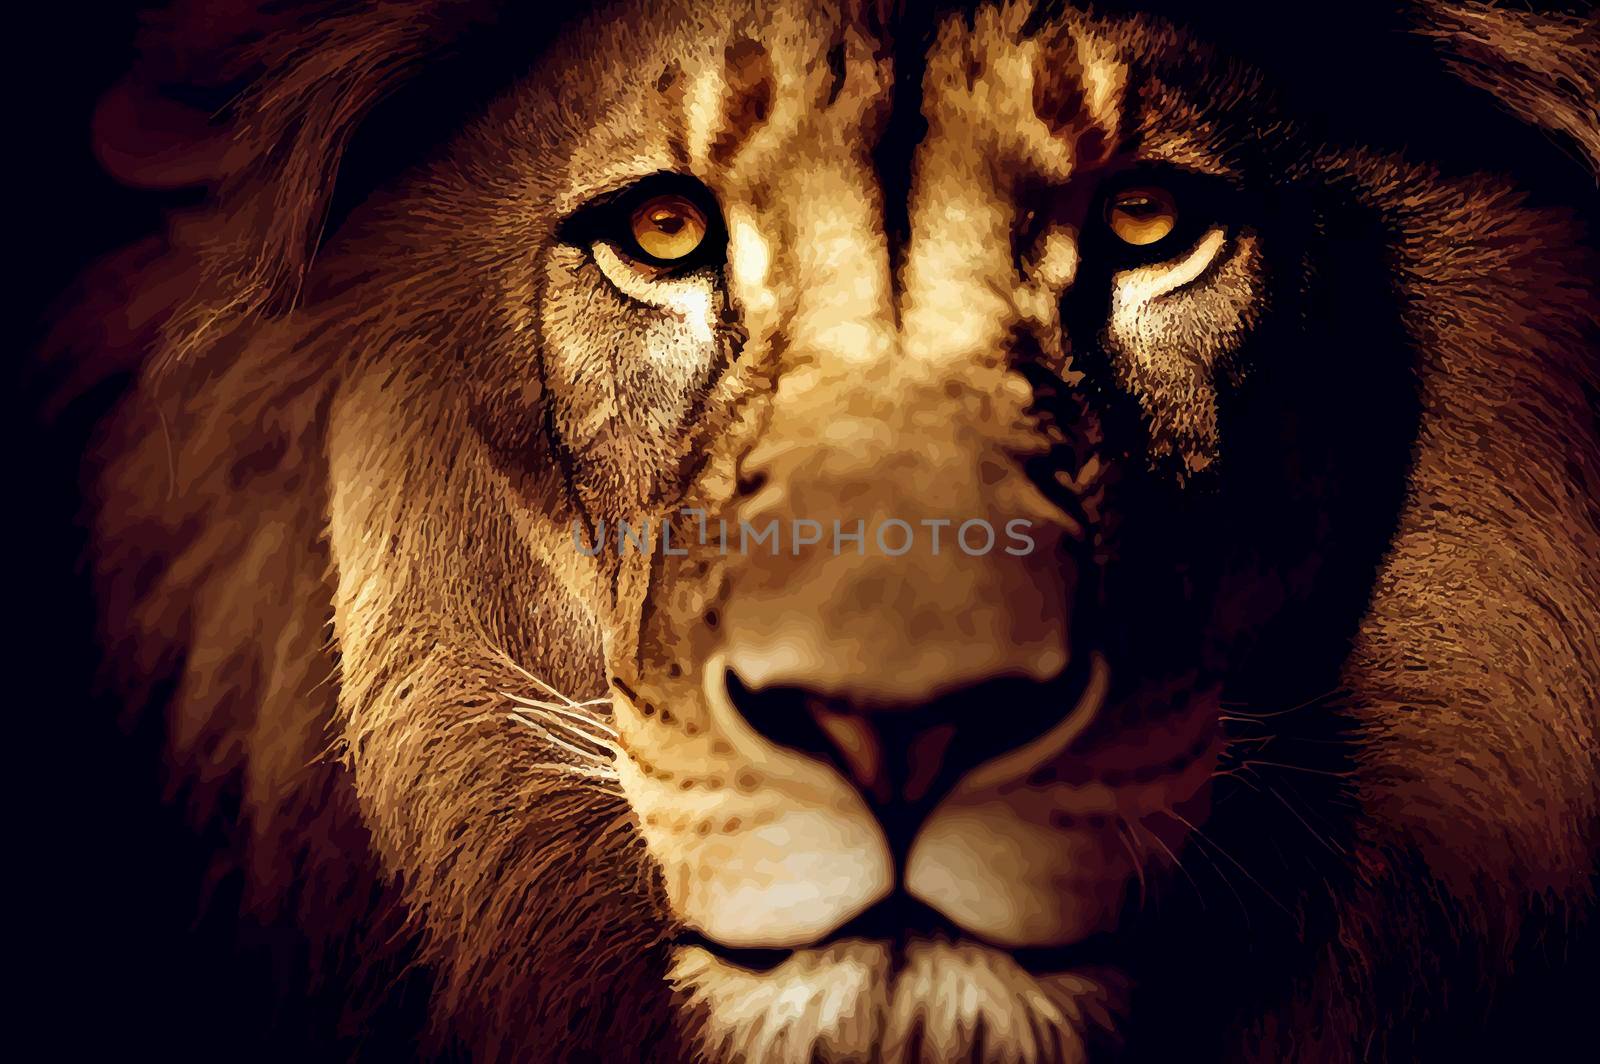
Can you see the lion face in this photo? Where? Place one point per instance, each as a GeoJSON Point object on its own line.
{"type": "Point", "coordinates": [832, 512]}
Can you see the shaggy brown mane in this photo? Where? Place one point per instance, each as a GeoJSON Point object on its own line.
{"type": "Point", "coordinates": [212, 568]}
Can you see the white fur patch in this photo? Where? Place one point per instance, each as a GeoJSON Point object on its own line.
{"type": "Point", "coordinates": [1134, 288]}
{"type": "Point", "coordinates": [850, 1002]}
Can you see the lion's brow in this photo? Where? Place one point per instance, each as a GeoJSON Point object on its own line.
{"type": "Point", "coordinates": [911, 35]}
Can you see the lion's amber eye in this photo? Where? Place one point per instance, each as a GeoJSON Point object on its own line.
{"type": "Point", "coordinates": [1143, 215]}
{"type": "Point", "coordinates": [668, 228]}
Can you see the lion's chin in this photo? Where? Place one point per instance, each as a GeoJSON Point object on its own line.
{"type": "Point", "coordinates": [864, 1000]}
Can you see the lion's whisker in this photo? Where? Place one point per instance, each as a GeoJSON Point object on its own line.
{"type": "Point", "coordinates": [1125, 836]}
{"type": "Point", "coordinates": [1296, 768]}
{"type": "Point", "coordinates": [564, 698]}
{"type": "Point", "coordinates": [501, 655]}
{"type": "Point", "coordinates": [605, 752]}
{"type": "Point", "coordinates": [1238, 711]}
{"type": "Point", "coordinates": [563, 706]}
{"type": "Point", "coordinates": [1201, 836]}
{"type": "Point", "coordinates": [581, 718]}
{"type": "Point", "coordinates": [566, 735]}
{"type": "Point", "coordinates": [1259, 784]}
{"type": "Point", "coordinates": [589, 775]}
{"type": "Point", "coordinates": [1199, 894]}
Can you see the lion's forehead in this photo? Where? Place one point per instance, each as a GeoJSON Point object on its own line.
{"type": "Point", "coordinates": [892, 183]}
{"type": "Point", "coordinates": [751, 97]}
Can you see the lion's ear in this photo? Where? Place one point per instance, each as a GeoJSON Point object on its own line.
{"type": "Point", "coordinates": [1543, 68]}
{"type": "Point", "coordinates": [148, 140]}
{"type": "Point", "coordinates": [298, 84]}
{"type": "Point", "coordinates": [302, 88]}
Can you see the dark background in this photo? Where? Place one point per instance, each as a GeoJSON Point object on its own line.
{"type": "Point", "coordinates": [111, 957]}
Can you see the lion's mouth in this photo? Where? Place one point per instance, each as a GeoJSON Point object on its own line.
{"type": "Point", "coordinates": [902, 990]}
{"type": "Point", "coordinates": [900, 921]}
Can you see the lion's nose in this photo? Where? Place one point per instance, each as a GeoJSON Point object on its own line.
{"type": "Point", "coordinates": [904, 757]}
{"type": "Point", "coordinates": [899, 623]}
{"type": "Point", "coordinates": [909, 614]}
{"type": "Point", "coordinates": [904, 671]}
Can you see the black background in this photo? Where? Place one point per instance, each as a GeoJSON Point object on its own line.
{"type": "Point", "coordinates": [107, 953]}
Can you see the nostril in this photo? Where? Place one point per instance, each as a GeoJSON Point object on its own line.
{"type": "Point", "coordinates": [826, 729]}
{"type": "Point", "coordinates": [748, 483]}
{"type": "Point", "coordinates": [781, 714]}
{"type": "Point", "coordinates": [909, 755]}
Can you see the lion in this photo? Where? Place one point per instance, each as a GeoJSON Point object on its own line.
{"type": "Point", "coordinates": [529, 496]}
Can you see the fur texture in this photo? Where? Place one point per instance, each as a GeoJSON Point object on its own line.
{"type": "Point", "coordinates": [333, 533]}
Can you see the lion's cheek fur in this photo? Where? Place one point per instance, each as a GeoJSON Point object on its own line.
{"type": "Point", "coordinates": [1475, 659]}
{"type": "Point", "coordinates": [1477, 780]}
{"type": "Point", "coordinates": [482, 831]}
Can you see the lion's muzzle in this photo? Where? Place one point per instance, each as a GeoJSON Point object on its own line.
{"type": "Point", "coordinates": [928, 660]}
{"type": "Point", "coordinates": [936, 637]}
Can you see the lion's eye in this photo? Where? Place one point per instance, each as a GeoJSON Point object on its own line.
{"type": "Point", "coordinates": [1143, 215]}
{"type": "Point", "coordinates": [668, 228]}
{"type": "Point", "coordinates": [664, 227]}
